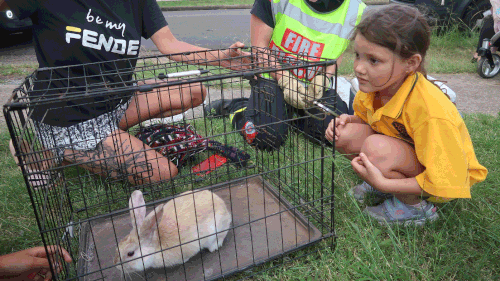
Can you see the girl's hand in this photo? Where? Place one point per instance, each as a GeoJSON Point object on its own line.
{"type": "Point", "coordinates": [367, 171]}
{"type": "Point", "coordinates": [329, 131]}
{"type": "Point", "coordinates": [334, 132]}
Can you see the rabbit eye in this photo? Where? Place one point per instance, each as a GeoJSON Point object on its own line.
{"type": "Point", "coordinates": [131, 253]}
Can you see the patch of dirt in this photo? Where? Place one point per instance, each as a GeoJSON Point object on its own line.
{"type": "Point", "coordinates": [474, 94]}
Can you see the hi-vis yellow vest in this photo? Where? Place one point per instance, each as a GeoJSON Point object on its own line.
{"type": "Point", "coordinates": [300, 30]}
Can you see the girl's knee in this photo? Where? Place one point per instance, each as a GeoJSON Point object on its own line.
{"type": "Point", "coordinates": [348, 139]}
{"type": "Point", "coordinates": [343, 137]}
{"type": "Point", "coordinates": [341, 144]}
{"type": "Point", "coordinates": [376, 146]}
{"type": "Point", "coordinates": [395, 158]}
{"type": "Point", "coordinates": [378, 150]}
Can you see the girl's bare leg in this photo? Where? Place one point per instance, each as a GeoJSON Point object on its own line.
{"type": "Point", "coordinates": [351, 139]}
{"type": "Point", "coordinates": [395, 158]}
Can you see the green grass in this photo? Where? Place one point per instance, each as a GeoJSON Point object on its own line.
{"type": "Point", "coordinates": [449, 52]}
{"type": "Point", "coordinates": [17, 223]}
{"type": "Point", "coordinates": [8, 71]}
{"type": "Point", "coordinates": [463, 245]}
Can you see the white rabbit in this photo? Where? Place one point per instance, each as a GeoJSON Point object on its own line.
{"type": "Point", "coordinates": [170, 225]}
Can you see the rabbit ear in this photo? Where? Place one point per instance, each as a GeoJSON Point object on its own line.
{"type": "Point", "coordinates": [152, 220]}
{"type": "Point", "coordinates": [137, 208]}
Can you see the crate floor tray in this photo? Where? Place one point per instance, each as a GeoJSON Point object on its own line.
{"type": "Point", "coordinates": [265, 226]}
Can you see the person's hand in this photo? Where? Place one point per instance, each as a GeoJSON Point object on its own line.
{"type": "Point", "coordinates": [33, 263]}
{"type": "Point", "coordinates": [330, 131]}
{"type": "Point", "coordinates": [333, 130]}
{"type": "Point", "coordinates": [236, 59]}
{"type": "Point", "coordinates": [235, 50]}
{"type": "Point", "coordinates": [294, 91]}
{"type": "Point", "coordinates": [367, 171]}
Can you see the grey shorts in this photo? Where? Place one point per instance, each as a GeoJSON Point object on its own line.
{"type": "Point", "coordinates": [82, 136]}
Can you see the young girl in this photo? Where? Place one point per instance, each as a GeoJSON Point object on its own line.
{"type": "Point", "coordinates": [406, 139]}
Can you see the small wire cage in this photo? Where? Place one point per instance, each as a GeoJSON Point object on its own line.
{"type": "Point", "coordinates": [220, 206]}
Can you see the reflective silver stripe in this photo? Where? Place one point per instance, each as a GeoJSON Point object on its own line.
{"type": "Point", "coordinates": [286, 8]}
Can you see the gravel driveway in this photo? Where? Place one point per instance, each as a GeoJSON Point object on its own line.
{"type": "Point", "coordinates": [474, 94]}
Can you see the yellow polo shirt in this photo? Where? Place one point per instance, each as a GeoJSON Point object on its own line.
{"type": "Point", "coordinates": [426, 118]}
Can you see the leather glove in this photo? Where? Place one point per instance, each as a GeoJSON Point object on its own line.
{"type": "Point", "coordinates": [318, 86]}
{"type": "Point", "coordinates": [294, 91]}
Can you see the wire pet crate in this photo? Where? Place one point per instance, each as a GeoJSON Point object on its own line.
{"type": "Point", "coordinates": [278, 201]}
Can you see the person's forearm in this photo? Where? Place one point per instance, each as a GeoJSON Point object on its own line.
{"type": "Point", "coordinates": [194, 54]}
{"type": "Point", "coordinates": [260, 36]}
{"type": "Point", "coordinates": [167, 44]}
{"type": "Point", "coordinates": [187, 53]}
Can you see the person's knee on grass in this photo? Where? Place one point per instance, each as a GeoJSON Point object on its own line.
{"type": "Point", "coordinates": [199, 96]}
{"type": "Point", "coordinates": [190, 96]}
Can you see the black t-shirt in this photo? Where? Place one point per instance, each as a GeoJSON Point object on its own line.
{"type": "Point", "coordinates": [84, 33]}
{"type": "Point", "coordinates": [262, 9]}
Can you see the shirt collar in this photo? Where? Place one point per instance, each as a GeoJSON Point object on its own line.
{"type": "Point", "coordinates": [394, 107]}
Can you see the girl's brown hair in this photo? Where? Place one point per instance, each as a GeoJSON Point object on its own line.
{"type": "Point", "coordinates": [400, 28]}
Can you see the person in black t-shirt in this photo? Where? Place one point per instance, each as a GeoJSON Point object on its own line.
{"type": "Point", "coordinates": [86, 32]}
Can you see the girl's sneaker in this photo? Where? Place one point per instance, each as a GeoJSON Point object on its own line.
{"type": "Point", "coordinates": [365, 191]}
{"type": "Point", "coordinates": [393, 211]}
